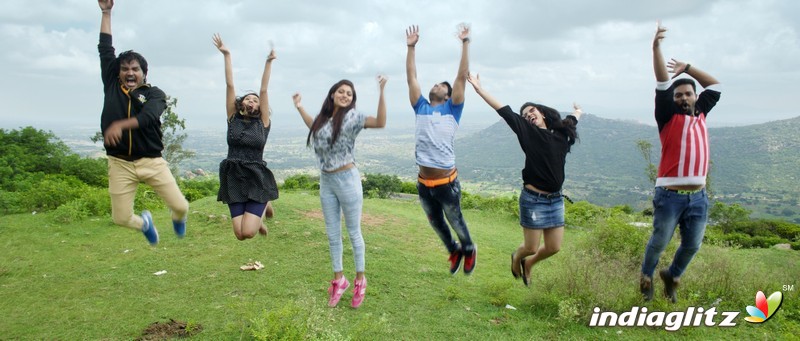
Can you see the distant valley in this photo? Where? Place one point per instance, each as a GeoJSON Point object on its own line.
{"type": "Point", "coordinates": [757, 166]}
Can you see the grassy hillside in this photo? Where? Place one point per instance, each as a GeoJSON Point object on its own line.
{"type": "Point", "coordinates": [94, 280]}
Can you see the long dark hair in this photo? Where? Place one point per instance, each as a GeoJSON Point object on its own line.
{"type": "Point", "coordinates": [240, 107]}
{"type": "Point", "coordinates": [553, 121]}
{"type": "Point", "coordinates": [327, 112]}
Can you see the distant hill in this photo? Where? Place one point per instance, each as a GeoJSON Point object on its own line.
{"type": "Point", "coordinates": [757, 165]}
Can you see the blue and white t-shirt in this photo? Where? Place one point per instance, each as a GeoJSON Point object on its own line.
{"type": "Point", "coordinates": [332, 157]}
{"type": "Point", "coordinates": [436, 132]}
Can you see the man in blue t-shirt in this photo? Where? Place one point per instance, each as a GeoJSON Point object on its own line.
{"type": "Point", "coordinates": [436, 125]}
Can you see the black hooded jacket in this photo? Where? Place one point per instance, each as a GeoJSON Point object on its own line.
{"type": "Point", "coordinates": [146, 103]}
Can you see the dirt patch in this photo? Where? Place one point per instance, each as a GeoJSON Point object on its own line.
{"type": "Point", "coordinates": [169, 330]}
{"type": "Point", "coordinates": [372, 220]}
{"type": "Point", "coordinates": [366, 218]}
{"type": "Point", "coordinates": [314, 214]}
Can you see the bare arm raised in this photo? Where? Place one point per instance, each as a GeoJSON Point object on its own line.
{"type": "Point", "coordinates": [476, 83]}
{"type": "Point", "coordinates": [380, 121]}
{"type": "Point", "coordinates": [230, 91]}
{"type": "Point", "coordinates": [659, 67]}
{"type": "Point", "coordinates": [308, 120]}
{"type": "Point", "coordinates": [463, 66]}
{"type": "Point", "coordinates": [577, 111]}
{"type": "Point", "coordinates": [264, 98]}
{"type": "Point", "coordinates": [412, 37]}
{"type": "Point", "coordinates": [678, 67]}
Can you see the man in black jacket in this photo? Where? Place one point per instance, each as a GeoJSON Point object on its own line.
{"type": "Point", "coordinates": [131, 126]}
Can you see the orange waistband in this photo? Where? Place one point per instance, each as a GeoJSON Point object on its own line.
{"type": "Point", "coordinates": [438, 182]}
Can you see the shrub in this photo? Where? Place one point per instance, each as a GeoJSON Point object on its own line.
{"type": "Point", "coordinates": [295, 321]}
{"type": "Point", "coordinates": [93, 172]}
{"type": "Point", "coordinates": [509, 205]}
{"type": "Point", "coordinates": [301, 181]}
{"type": "Point", "coordinates": [722, 214]}
{"type": "Point", "coordinates": [70, 212]}
{"type": "Point", "coordinates": [96, 202]}
{"type": "Point", "coordinates": [147, 199]}
{"type": "Point", "coordinates": [618, 239]}
{"type": "Point", "coordinates": [381, 185]}
{"type": "Point", "coordinates": [199, 188]}
{"type": "Point", "coordinates": [583, 213]}
{"type": "Point", "coordinates": [52, 191]}
{"type": "Point", "coordinates": [9, 202]}
{"type": "Point", "coordinates": [408, 187]}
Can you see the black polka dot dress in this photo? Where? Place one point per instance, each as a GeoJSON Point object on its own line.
{"type": "Point", "coordinates": [243, 175]}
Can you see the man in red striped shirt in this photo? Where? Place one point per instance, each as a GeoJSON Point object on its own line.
{"type": "Point", "coordinates": [680, 197]}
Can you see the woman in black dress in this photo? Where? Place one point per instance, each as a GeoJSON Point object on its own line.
{"type": "Point", "coordinates": [245, 182]}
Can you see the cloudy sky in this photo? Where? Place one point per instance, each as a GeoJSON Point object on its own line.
{"type": "Point", "coordinates": [596, 53]}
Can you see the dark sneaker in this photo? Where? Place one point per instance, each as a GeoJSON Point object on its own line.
{"type": "Point", "coordinates": [179, 227]}
{"type": "Point", "coordinates": [149, 229]}
{"type": "Point", "coordinates": [455, 261]}
{"type": "Point", "coordinates": [471, 260]}
{"type": "Point", "coordinates": [646, 287]}
{"type": "Point", "coordinates": [670, 285]}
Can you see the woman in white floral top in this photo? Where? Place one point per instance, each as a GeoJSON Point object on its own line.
{"type": "Point", "coordinates": [332, 134]}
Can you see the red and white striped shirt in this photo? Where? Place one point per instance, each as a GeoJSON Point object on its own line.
{"type": "Point", "coordinates": [684, 138]}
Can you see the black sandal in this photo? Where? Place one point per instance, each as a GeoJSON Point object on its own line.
{"type": "Point", "coordinates": [524, 275]}
{"type": "Point", "coordinates": [516, 275]}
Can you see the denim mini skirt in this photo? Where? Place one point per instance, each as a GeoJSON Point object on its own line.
{"type": "Point", "coordinates": [540, 211]}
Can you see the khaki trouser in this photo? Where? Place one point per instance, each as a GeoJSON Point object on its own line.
{"type": "Point", "coordinates": [123, 179]}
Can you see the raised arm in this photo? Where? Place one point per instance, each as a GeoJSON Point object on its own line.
{"type": "Point", "coordinates": [230, 91]}
{"type": "Point", "coordinates": [476, 84]}
{"type": "Point", "coordinates": [678, 67]}
{"type": "Point", "coordinates": [463, 67]}
{"type": "Point", "coordinates": [303, 114]}
{"type": "Point", "coordinates": [105, 22]}
{"type": "Point", "coordinates": [577, 111]}
{"type": "Point", "coordinates": [658, 59]}
{"type": "Point", "coordinates": [380, 121]}
{"type": "Point", "coordinates": [264, 99]}
{"type": "Point", "coordinates": [412, 37]}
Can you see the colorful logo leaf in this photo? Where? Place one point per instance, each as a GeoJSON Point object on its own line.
{"type": "Point", "coordinates": [765, 307]}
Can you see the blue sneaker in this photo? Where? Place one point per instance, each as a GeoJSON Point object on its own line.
{"type": "Point", "coordinates": [149, 229]}
{"type": "Point", "coordinates": [180, 227]}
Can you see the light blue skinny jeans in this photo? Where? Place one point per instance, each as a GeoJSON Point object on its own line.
{"type": "Point", "coordinates": [341, 192]}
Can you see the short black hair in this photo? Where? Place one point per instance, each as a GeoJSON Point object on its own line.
{"type": "Point", "coordinates": [681, 81]}
{"type": "Point", "coordinates": [449, 89]}
{"type": "Point", "coordinates": [130, 55]}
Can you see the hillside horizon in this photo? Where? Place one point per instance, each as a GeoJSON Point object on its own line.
{"type": "Point", "coordinates": [755, 165]}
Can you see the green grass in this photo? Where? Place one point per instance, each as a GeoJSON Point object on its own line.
{"type": "Point", "coordinates": [94, 280]}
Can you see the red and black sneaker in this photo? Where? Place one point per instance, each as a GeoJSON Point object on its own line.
{"type": "Point", "coordinates": [470, 260]}
{"type": "Point", "coordinates": [455, 261]}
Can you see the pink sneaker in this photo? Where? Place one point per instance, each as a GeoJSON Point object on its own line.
{"type": "Point", "coordinates": [336, 290]}
{"type": "Point", "coordinates": [359, 291]}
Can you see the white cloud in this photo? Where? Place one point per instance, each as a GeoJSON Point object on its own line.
{"type": "Point", "coordinates": [594, 52]}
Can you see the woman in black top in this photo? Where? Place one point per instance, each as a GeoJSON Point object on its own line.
{"type": "Point", "coordinates": [546, 139]}
{"type": "Point", "coordinates": [245, 182]}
